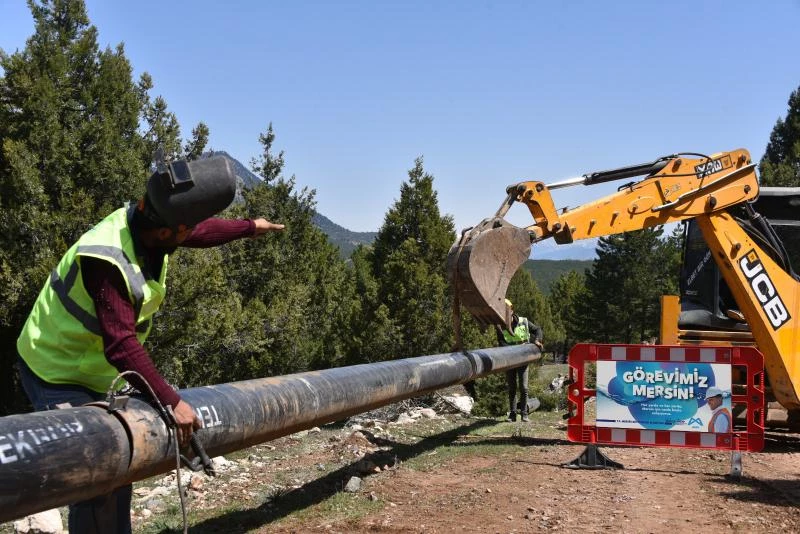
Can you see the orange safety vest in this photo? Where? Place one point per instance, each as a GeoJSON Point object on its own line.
{"type": "Point", "coordinates": [721, 411]}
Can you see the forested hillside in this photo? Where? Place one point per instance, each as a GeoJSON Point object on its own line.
{"type": "Point", "coordinates": [341, 237]}
{"type": "Point", "coordinates": [546, 272]}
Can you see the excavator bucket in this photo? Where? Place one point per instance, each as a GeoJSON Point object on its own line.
{"type": "Point", "coordinates": [481, 264]}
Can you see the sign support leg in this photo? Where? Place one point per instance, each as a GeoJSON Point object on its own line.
{"type": "Point", "coordinates": [736, 465]}
{"type": "Point", "coordinates": [593, 458]}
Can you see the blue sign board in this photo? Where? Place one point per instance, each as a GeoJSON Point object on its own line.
{"type": "Point", "coordinates": [693, 397]}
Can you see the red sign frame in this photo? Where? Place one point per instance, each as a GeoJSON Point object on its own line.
{"type": "Point", "coordinates": [751, 439]}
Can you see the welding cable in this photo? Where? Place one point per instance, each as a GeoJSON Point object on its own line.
{"type": "Point", "coordinates": [169, 419]}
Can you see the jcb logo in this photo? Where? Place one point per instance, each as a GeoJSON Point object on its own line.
{"type": "Point", "coordinates": [764, 289]}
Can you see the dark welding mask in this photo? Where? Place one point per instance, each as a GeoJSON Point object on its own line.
{"type": "Point", "coordinates": [188, 192]}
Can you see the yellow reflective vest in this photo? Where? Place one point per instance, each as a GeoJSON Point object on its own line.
{"type": "Point", "coordinates": [61, 341]}
{"type": "Point", "coordinates": [521, 333]}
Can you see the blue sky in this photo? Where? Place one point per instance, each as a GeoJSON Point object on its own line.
{"type": "Point", "coordinates": [490, 93]}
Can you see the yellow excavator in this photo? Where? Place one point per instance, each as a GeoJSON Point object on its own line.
{"type": "Point", "coordinates": [748, 294]}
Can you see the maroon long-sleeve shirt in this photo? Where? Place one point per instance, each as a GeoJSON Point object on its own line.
{"type": "Point", "coordinates": [116, 314]}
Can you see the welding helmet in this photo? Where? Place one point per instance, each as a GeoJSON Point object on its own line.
{"type": "Point", "coordinates": [187, 192]}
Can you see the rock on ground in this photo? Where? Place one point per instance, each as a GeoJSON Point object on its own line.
{"type": "Point", "coordinates": [353, 485]}
{"type": "Point", "coordinates": [462, 402]}
{"type": "Point", "coordinates": [404, 419]}
{"type": "Point", "coordinates": [47, 522]}
{"type": "Point", "coordinates": [221, 463]}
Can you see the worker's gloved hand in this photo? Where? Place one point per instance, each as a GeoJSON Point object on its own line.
{"type": "Point", "coordinates": [187, 422]}
{"type": "Point", "coordinates": [263, 226]}
{"type": "Point", "coordinates": [538, 344]}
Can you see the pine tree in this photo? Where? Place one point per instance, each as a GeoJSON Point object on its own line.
{"type": "Point", "coordinates": [566, 294]}
{"type": "Point", "coordinates": [194, 148]}
{"type": "Point", "coordinates": [196, 335]}
{"type": "Point", "coordinates": [269, 165]}
{"type": "Point", "coordinates": [780, 165]}
{"type": "Point", "coordinates": [162, 131]}
{"type": "Point", "coordinates": [372, 333]}
{"type": "Point", "coordinates": [293, 282]}
{"type": "Point", "coordinates": [408, 261]}
{"type": "Point", "coordinates": [631, 272]}
{"type": "Point", "coordinates": [71, 153]}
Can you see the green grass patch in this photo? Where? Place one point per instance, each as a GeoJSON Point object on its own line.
{"type": "Point", "coordinates": [444, 455]}
{"type": "Point", "coordinates": [339, 508]}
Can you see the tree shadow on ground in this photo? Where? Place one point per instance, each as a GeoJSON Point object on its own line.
{"type": "Point", "coordinates": [565, 463]}
{"type": "Point", "coordinates": [319, 490]}
{"type": "Point", "coordinates": [776, 492]}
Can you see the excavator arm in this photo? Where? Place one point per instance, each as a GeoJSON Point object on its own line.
{"type": "Point", "coordinates": [669, 189]}
{"type": "Point", "coordinates": [482, 262]}
{"type": "Point", "coordinates": [675, 189]}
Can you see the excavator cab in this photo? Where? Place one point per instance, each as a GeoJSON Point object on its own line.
{"type": "Point", "coordinates": [706, 301]}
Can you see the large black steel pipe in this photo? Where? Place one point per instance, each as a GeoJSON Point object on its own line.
{"type": "Point", "coordinates": [50, 459]}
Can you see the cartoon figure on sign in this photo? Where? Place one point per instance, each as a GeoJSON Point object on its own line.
{"type": "Point", "coordinates": [720, 421]}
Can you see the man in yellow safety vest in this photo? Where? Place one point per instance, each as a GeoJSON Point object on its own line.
{"type": "Point", "coordinates": [521, 332]}
{"type": "Point", "coordinates": [95, 310]}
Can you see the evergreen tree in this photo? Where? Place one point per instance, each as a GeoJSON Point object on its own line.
{"type": "Point", "coordinates": [197, 337]}
{"type": "Point", "coordinates": [408, 261]}
{"type": "Point", "coordinates": [416, 217]}
{"type": "Point", "coordinates": [70, 154]}
{"type": "Point", "coordinates": [194, 148]}
{"type": "Point", "coordinates": [371, 332]}
{"type": "Point", "coordinates": [293, 283]}
{"type": "Point", "coordinates": [566, 294]}
{"type": "Point", "coordinates": [162, 131]}
{"type": "Point", "coordinates": [269, 165]}
{"type": "Point", "coordinates": [780, 165]}
{"type": "Point", "coordinates": [624, 285]}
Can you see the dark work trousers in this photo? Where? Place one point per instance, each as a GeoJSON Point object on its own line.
{"type": "Point", "coordinates": [517, 377]}
{"type": "Point", "coordinates": [109, 513]}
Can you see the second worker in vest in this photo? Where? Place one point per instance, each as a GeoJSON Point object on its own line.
{"type": "Point", "coordinates": [522, 331]}
{"type": "Point", "coordinates": [95, 311]}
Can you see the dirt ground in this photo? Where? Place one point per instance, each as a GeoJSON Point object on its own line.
{"type": "Point", "coordinates": [457, 474]}
{"type": "Point", "coordinates": [528, 491]}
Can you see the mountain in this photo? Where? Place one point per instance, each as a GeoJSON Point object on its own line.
{"type": "Point", "coordinates": [545, 272]}
{"type": "Point", "coordinates": [343, 238]}
{"type": "Point", "coordinates": [339, 236]}
{"type": "Point", "coordinates": [579, 250]}
{"type": "Point", "coordinates": [248, 178]}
